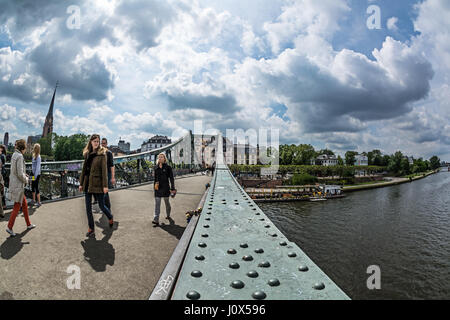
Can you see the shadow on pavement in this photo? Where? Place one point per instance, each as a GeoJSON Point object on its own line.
{"type": "Point", "coordinates": [99, 253]}
{"type": "Point", "coordinates": [173, 229]}
{"type": "Point", "coordinates": [12, 245]}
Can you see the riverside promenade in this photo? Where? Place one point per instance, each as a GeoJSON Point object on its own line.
{"type": "Point", "coordinates": [124, 262]}
{"type": "Point", "coordinates": [393, 181]}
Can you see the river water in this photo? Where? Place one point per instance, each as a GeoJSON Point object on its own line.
{"type": "Point", "coordinates": [404, 229]}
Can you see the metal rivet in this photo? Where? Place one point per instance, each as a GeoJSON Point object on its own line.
{"type": "Point", "coordinates": [259, 295]}
{"type": "Point", "coordinates": [252, 274]}
{"type": "Point", "coordinates": [292, 254]}
{"type": "Point", "coordinates": [196, 274]}
{"type": "Point", "coordinates": [303, 268]}
{"type": "Point", "coordinates": [247, 258]}
{"type": "Point", "coordinates": [259, 250]}
{"type": "Point", "coordinates": [261, 219]}
{"type": "Point", "coordinates": [274, 282]}
{"type": "Point", "coordinates": [231, 251]}
{"type": "Point", "coordinates": [283, 243]}
{"type": "Point", "coordinates": [206, 226]}
{"type": "Point", "coordinates": [264, 264]}
{"type": "Point", "coordinates": [258, 214]}
{"type": "Point", "coordinates": [237, 284]}
{"type": "Point", "coordinates": [319, 286]}
{"type": "Point", "coordinates": [208, 213]}
{"type": "Point", "coordinates": [205, 235]}
{"type": "Point", "coordinates": [234, 265]}
{"type": "Point", "coordinates": [193, 295]}
{"type": "Point", "coordinates": [202, 245]}
{"type": "Point", "coordinates": [208, 219]}
{"type": "Point", "coordinates": [244, 245]}
{"type": "Point", "coordinates": [274, 235]}
{"type": "Point", "coordinates": [267, 226]}
{"type": "Point", "coordinates": [200, 258]}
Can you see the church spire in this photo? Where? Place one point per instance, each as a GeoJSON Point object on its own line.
{"type": "Point", "coordinates": [48, 125]}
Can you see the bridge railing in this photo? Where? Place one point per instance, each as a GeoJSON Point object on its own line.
{"type": "Point", "coordinates": [60, 179]}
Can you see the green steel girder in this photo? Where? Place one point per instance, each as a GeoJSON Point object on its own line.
{"type": "Point", "coordinates": [237, 253]}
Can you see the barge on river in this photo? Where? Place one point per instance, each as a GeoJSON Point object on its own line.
{"type": "Point", "coordinates": [296, 193]}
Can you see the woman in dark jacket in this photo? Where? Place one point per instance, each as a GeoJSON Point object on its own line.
{"type": "Point", "coordinates": [163, 175]}
{"type": "Point", "coordinates": [94, 180]}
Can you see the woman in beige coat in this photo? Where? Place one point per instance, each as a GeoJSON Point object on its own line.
{"type": "Point", "coordinates": [17, 181]}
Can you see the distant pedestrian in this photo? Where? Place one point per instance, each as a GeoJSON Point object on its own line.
{"type": "Point", "coordinates": [111, 171]}
{"type": "Point", "coordinates": [163, 176]}
{"type": "Point", "coordinates": [17, 181]}
{"type": "Point", "coordinates": [213, 168]}
{"type": "Point", "coordinates": [2, 192]}
{"type": "Point", "coordinates": [94, 180]}
{"type": "Point", "coordinates": [36, 168]}
{"type": "Point", "coordinates": [3, 174]}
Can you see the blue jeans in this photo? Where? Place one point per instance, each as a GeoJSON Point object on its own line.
{"type": "Point", "coordinates": [100, 197]}
{"type": "Point", "coordinates": [158, 207]}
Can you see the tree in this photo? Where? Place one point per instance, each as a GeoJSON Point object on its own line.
{"type": "Point", "coordinates": [405, 170]}
{"type": "Point", "coordinates": [395, 163]}
{"type": "Point", "coordinates": [46, 146]}
{"type": "Point", "coordinates": [327, 152]}
{"type": "Point", "coordinates": [70, 148]}
{"type": "Point", "coordinates": [340, 161]}
{"type": "Point", "coordinates": [435, 162]}
{"type": "Point", "coordinates": [304, 153]}
{"type": "Point", "coordinates": [350, 158]}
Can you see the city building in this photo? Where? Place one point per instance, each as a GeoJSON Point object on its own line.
{"type": "Point", "coordinates": [31, 140]}
{"type": "Point", "coordinates": [361, 160]}
{"type": "Point", "coordinates": [155, 143]}
{"type": "Point", "coordinates": [116, 151]}
{"type": "Point", "coordinates": [205, 146]}
{"type": "Point", "coordinates": [326, 160]}
{"type": "Point", "coordinates": [6, 139]}
{"type": "Point", "coordinates": [125, 146]}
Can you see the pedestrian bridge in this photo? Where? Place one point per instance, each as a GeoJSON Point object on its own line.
{"type": "Point", "coordinates": [231, 251]}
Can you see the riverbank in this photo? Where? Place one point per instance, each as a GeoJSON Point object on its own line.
{"type": "Point", "coordinates": [394, 181]}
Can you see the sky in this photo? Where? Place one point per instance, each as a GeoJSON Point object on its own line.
{"type": "Point", "coordinates": [338, 74]}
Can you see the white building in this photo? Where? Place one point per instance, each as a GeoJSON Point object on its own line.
{"type": "Point", "coordinates": [326, 160]}
{"type": "Point", "coordinates": [361, 160]}
{"type": "Point", "coordinates": [155, 143]}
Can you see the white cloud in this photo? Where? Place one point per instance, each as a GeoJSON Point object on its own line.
{"type": "Point", "coordinates": [392, 23]}
{"type": "Point", "coordinates": [31, 118]}
{"type": "Point", "coordinates": [7, 112]}
{"type": "Point", "coordinates": [76, 124]}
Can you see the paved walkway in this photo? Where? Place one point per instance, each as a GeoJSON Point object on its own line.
{"type": "Point", "coordinates": [124, 263]}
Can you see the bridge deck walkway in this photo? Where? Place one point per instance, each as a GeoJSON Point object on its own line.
{"type": "Point", "coordinates": [123, 263]}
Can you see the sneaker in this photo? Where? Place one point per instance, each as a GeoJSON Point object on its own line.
{"type": "Point", "coordinates": [155, 222]}
{"type": "Point", "coordinates": [10, 232]}
{"type": "Point", "coordinates": [38, 205]}
{"type": "Point", "coordinates": [168, 218]}
{"type": "Point", "coordinates": [90, 233]}
{"type": "Point", "coordinates": [31, 226]}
